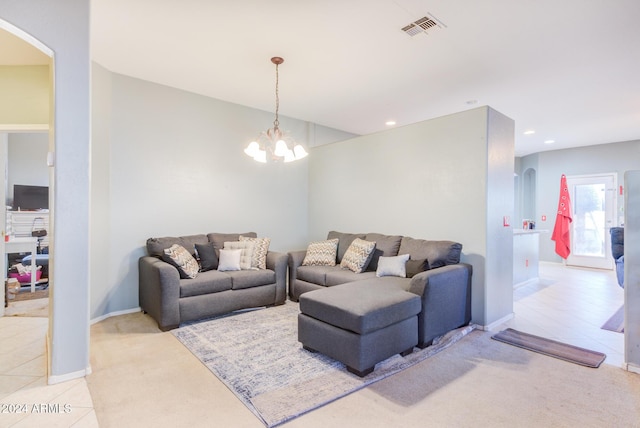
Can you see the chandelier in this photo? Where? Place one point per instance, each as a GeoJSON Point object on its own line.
{"type": "Point", "coordinates": [275, 144]}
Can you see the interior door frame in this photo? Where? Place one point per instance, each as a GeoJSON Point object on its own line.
{"type": "Point", "coordinates": [611, 204]}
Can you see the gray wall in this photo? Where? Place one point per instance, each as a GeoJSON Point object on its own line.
{"type": "Point", "coordinates": [63, 26]}
{"type": "Point", "coordinates": [632, 270]}
{"type": "Point", "coordinates": [168, 163]}
{"type": "Point", "coordinates": [27, 161]}
{"type": "Point", "coordinates": [550, 165]}
{"type": "Point", "coordinates": [427, 180]}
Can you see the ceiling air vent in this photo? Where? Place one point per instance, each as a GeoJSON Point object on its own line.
{"type": "Point", "coordinates": [422, 25]}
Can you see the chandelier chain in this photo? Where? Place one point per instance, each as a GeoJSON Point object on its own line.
{"type": "Point", "coordinates": [276, 122]}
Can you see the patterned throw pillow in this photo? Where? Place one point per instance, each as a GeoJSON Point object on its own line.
{"type": "Point", "coordinates": [358, 255]}
{"type": "Point", "coordinates": [321, 253]}
{"type": "Point", "coordinates": [393, 266]}
{"type": "Point", "coordinates": [260, 251]}
{"type": "Point", "coordinates": [247, 252]}
{"type": "Point", "coordinates": [179, 257]}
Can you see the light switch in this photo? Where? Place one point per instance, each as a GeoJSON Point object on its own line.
{"type": "Point", "coordinates": [505, 221]}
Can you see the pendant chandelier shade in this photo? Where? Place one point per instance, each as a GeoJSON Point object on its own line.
{"type": "Point", "coordinates": [275, 145]}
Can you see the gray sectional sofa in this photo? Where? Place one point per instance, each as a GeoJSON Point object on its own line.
{"type": "Point", "coordinates": [171, 299]}
{"type": "Point", "coordinates": [361, 318]}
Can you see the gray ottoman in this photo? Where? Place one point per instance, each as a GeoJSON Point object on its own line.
{"type": "Point", "coordinates": [359, 324]}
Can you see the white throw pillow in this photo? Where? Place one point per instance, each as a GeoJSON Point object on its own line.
{"type": "Point", "coordinates": [229, 260]}
{"type": "Point", "coordinates": [393, 266]}
{"type": "Point", "coordinates": [247, 252]}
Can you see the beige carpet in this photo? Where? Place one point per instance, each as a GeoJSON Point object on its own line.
{"type": "Point", "coordinates": [144, 377]}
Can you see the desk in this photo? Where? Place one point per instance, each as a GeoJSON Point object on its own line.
{"type": "Point", "coordinates": [24, 245]}
{"type": "Point", "coordinates": [526, 246]}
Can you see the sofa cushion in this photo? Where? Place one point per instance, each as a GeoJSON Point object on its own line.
{"type": "Point", "coordinates": [182, 259]}
{"type": "Point", "coordinates": [392, 266]}
{"type": "Point", "coordinates": [156, 246]}
{"type": "Point", "coordinates": [260, 251]}
{"type": "Point", "coordinates": [340, 276]}
{"type": "Point", "coordinates": [246, 254]}
{"type": "Point", "coordinates": [344, 240]}
{"type": "Point", "coordinates": [251, 278]}
{"type": "Point", "coordinates": [207, 282]}
{"type": "Point", "coordinates": [438, 253]}
{"type": "Point", "coordinates": [386, 246]}
{"type": "Point", "coordinates": [219, 239]}
{"type": "Point", "coordinates": [363, 307]}
{"type": "Point", "coordinates": [358, 255]}
{"type": "Point", "coordinates": [315, 274]}
{"type": "Point", "coordinates": [321, 253]}
{"type": "Point", "coordinates": [414, 267]}
{"type": "Point", "coordinates": [207, 256]}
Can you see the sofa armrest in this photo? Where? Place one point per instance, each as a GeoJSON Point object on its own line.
{"type": "Point", "coordinates": [295, 261]}
{"type": "Point", "coordinates": [277, 262]}
{"type": "Point", "coordinates": [446, 300]}
{"type": "Point", "coordinates": [159, 291]}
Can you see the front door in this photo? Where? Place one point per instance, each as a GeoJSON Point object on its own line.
{"type": "Point", "coordinates": [593, 203]}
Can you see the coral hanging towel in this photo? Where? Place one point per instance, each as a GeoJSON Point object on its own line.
{"type": "Point", "coordinates": [563, 219]}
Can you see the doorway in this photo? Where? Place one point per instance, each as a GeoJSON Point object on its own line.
{"type": "Point", "coordinates": [593, 205]}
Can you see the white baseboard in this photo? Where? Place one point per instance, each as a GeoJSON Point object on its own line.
{"type": "Point", "coordinates": [631, 368]}
{"type": "Point", "coordinates": [52, 380]}
{"type": "Point", "coordinates": [495, 324]}
{"type": "Point", "coordinates": [114, 314]}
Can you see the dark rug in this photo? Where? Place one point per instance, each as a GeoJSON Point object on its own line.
{"type": "Point", "coordinates": [563, 351]}
{"type": "Point", "coordinates": [616, 322]}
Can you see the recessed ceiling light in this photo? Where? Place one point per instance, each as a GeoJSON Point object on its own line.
{"type": "Point", "coordinates": [550, 141]}
{"type": "Point", "coordinates": [390, 122]}
{"type": "Point", "coordinates": [529, 132]}
{"type": "Point", "coordinates": [472, 102]}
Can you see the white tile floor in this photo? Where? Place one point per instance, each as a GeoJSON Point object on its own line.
{"type": "Point", "coordinates": [570, 305]}
{"type": "Point", "coordinates": [25, 398]}
{"type": "Point", "coordinates": [566, 304]}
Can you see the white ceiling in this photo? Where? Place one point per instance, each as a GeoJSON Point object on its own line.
{"type": "Point", "coordinates": [566, 69]}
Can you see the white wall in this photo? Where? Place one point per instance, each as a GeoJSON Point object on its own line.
{"type": "Point", "coordinates": [27, 161]}
{"type": "Point", "coordinates": [632, 270]}
{"type": "Point", "coordinates": [169, 163]}
{"type": "Point", "coordinates": [427, 180]}
{"type": "Point", "coordinates": [63, 27]}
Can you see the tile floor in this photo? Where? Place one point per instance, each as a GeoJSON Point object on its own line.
{"type": "Point", "coordinates": [23, 381]}
{"type": "Point", "coordinates": [566, 304]}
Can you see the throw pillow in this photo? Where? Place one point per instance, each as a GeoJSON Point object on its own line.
{"type": "Point", "coordinates": [392, 266]}
{"type": "Point", "coordinates": [358, 255]}
{"type": "Point", "coordinates": [321, 253]}
{"type": "Point", "coordinates": [246, 254]}
{"type": "Point", "coordinates": [260, 251]}
{"type": "Point", "coordinates": [179, 257]}
{"type": "Point", "coordinates": [229, 260]}
{"type": "Point", "coordinates": [414, 267]}
{"type": "Point", "coordinates": [208, 257]}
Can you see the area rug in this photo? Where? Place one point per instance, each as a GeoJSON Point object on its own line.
{"type": "Point", "coordinates": [541, 345]}
{"type": "Point", "coordinates": [616, 322]}
{"type": "Point", "coordinates": [256, 354]}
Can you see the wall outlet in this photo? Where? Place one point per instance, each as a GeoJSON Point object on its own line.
{"type": "Point", "coordinates": [506, 222]}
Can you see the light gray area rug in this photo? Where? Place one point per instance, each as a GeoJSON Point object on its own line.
{"type": "Point", "coordinates": [616, 322]}
{"type": "Point", "coordinates": [258, 357]}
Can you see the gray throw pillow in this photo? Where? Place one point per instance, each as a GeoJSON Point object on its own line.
{"type": "Point", "coordinates": [208, 256]}
{"type": "Point", "coordinates": [414, 267]}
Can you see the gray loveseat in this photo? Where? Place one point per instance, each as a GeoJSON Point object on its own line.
{"type": "Point", "coordinates": [444, 288]}
{"type": "Point", "coordinates": [171, 299]}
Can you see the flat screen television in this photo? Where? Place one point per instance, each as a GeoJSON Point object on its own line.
{"type": "Point", "coordinates": [27, 198]}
